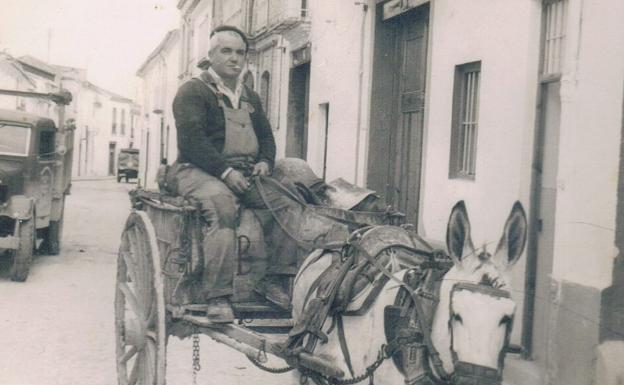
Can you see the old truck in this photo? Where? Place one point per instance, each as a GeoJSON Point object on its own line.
{"type": "Point", "coordinates": [35, 176]}
{"type": "Point", "coordinates": [127, 164]}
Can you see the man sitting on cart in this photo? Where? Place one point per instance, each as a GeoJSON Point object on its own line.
{"type": "Point", "coordinates": [224, 138]}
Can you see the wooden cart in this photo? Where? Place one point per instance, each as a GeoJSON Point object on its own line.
{"type": "Point", "coordinates": [159, 245]}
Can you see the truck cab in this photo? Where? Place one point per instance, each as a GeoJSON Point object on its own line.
{"type": "Point", "coordinates": [33, 185]}
{"type": "Point", "coordinates": [128, 164]}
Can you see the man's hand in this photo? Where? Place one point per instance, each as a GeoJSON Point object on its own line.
{"type": "Point", "coordinates": [260, 168]}
{"type": "Point", "coordinates": [236, 182]}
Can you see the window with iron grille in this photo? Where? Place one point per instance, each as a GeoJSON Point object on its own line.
{"type": "Point", "coordinates": [114, 128]}
{"type": "Point", "coordinates": [465, 122]}
{"type": "Point", "coordinates": [554, 24]}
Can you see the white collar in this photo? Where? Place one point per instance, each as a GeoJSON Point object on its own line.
{"type": "Point", "coordinates": [225, 90]}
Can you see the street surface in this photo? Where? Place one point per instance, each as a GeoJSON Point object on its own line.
{"type": "Point", "coordinates": [58, 326]}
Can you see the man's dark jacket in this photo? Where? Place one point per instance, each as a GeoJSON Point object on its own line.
{"type": "Point", "coordinates": [201, 126]}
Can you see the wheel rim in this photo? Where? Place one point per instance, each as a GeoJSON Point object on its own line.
{"type": "Point", "coordinates": [139, 306]}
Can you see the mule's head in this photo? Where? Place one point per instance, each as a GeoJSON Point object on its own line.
{"type": "Point", "coordinates": [475, 315]}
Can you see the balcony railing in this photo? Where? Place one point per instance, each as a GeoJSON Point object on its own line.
{"type": "Point", "coordinates": [271, 14]}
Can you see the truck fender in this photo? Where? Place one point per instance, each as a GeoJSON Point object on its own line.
{"type": "Point", "coordinates": [20, 207]}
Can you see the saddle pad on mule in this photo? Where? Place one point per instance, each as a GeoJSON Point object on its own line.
{"type": "Point", "coordinates": [390, 246]}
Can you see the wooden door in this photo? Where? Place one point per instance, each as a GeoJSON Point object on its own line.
{"type": "Point", "coordinates": [298, 101]}
{"type": "Point", "coordinates": [111, 158]}
{"type": "Point", "coordinates": [395, 146]}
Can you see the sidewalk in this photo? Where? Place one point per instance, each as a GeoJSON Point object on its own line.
{"type": "Point", "coordinates": [521, 372]}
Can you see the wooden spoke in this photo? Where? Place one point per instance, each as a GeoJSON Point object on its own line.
{"type": "Point", "coordinates": [140, 306]}
{"type": "Point", "coordinates": [151, 317]}
{"type": "Point", "coordinates": [128, 355]}
{"type": "Point", "coordinates": [130, 268]}
{"type": "Point", "coordinates": [131, 299]}
{"type": "Point", "coordinates": [151, 334]}
{"type": "Point", "coordinates": [143, 280]}
{"type": "Point", "coordinates": [134, 374]}
{"type": "Point", "coordinates": [149, 363]}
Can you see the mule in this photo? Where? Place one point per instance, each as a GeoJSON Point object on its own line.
{"type": "Point", "coordinates": [470, 325]}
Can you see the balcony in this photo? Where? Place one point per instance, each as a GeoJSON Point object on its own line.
{"type": "Point", "coordinates": [277, 15]}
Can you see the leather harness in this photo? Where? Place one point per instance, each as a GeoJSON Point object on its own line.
{"type": "Point", "coordinates": [410, 347]}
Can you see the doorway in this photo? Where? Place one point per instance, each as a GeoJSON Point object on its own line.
{"type": "Point", "coordinates": [398, 92]}
{"type": "Point", "coordinates": [542, 223]}
{"type": "Point", "coordinates": [112, 146]}
{"type": "Point", "coordinates": [298, 97]}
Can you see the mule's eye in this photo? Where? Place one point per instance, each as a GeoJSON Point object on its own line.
{"type": "Point", "coordinates": [457, 318]}
{"type": "Point", "coordinates": [506, 320]}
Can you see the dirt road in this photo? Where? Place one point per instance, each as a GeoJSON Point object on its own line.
{"type": "Point", "coordinates": [58, 326]}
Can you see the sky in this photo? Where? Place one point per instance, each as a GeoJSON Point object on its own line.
{"type": "Point", "coordinates": [110, 38]}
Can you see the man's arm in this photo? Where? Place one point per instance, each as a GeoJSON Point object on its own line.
{"type": "Point", "coordinates": [191, 113]}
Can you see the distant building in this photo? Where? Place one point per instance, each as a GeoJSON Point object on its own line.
{"type": "Point", "coordinates": [104, 121]}
{"type": "Point", "coordinates": [27, 74]}
{"type": "Point", "coordinates": [159, 75]}
{"type": "Point", "coordinates": [104, 124]}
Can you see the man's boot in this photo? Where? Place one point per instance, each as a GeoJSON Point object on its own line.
{"type": "Point", "coordinates": [219, 310]}
{"type": "Point", "coordinates": [271, 288]}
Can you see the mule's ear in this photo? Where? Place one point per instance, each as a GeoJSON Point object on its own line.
{"type": "Point", "coordinates": [458, 233]}
{"type": "Point", "coordinates": [512, 243]}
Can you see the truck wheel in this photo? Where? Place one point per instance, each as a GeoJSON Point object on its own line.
{"type": "Point", "coordinates": [119, 178]}
{"type": "Point", "coordinates": [22, 257]}
{"type": "Point", "coordinates": [53, 237]}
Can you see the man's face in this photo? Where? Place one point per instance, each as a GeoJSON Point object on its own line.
{"type": "Point", "coordinates": [227, 56]}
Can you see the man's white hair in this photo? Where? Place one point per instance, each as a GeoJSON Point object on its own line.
{"type": "Point", "coordinates": [216, 39]}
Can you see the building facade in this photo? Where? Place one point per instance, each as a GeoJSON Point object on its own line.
{"type": "Point", "coordinates": [28, 74]}
{"type": "Point", "coordinates": [104, 124]}
{"type": "Point", "coordinates": [159, 75]}
{"type": "Point", "coordinates": [490, 102]}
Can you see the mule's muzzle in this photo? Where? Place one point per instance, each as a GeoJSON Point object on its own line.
{"type": "Point", "coordinates": [472, 374]}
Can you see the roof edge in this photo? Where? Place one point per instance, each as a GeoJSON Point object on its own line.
{"type": "Point", "coordinates": [170, 37]}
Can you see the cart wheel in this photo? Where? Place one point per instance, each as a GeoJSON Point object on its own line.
{"type": "Point", "coordinates": [22, 257]}
{"type": "Point", "coordinates": [141, 335]}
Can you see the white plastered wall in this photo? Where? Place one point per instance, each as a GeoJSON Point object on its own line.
{"type": "Point", "coordinates": [506, 41]}
{"type": "Point", "coordinates": [591, 123]}
{"type": "Point", "coordinates": [336, 36]}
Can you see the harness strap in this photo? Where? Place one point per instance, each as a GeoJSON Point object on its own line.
{"type": "Point", "coordinates": [343, 344]}
{"type": "Point", "coordinates": [372, 296]}
{"type": "Point", "coordinates": [315, 285]}
{"type": "Point", "coordinates": [301, 243]}
{"type": "Point", "coordinates": [426, 330]}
